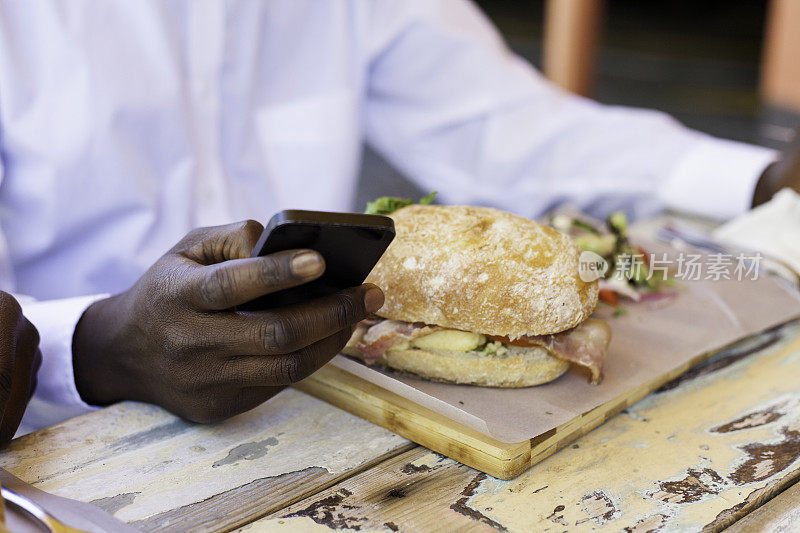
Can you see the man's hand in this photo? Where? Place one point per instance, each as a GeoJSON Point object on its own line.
{"type": "Point", "coordinates": [19, 361]}
{"type": "Point", "coordinates": [781, 174]}
{"type": "Point", "coordinates": [175, 339]}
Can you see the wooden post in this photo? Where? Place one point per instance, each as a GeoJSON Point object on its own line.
{"type": "Point", "coordinates": [780, 73]}
{"type": "Point", "coordinates": [571, 35]}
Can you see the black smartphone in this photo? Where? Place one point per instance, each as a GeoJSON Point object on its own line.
{"type": "Point", "coordinates": [350, 243]}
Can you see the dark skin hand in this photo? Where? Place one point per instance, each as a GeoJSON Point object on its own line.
{"type": "Point", "coordinates": [781, 174]}
{"type": "Point", "coordinates": [20, 359]}
{"type": "Point", "coordinates": [174, 339]}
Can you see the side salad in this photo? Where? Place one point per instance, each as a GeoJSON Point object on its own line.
{"type": "Point", "coordinates": [629, 273]}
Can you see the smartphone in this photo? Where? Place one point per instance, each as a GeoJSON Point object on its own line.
{"type": "Point", "coordinates": [350, 243]}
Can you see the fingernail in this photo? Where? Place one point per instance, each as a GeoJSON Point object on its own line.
{"type": "Point", "coordinates": [373, 300]}
{"type": "Point", "coordinates": [307, 264]}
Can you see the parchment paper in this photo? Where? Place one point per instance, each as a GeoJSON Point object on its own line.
{"type": "Point", "coordinates": [648, 341]}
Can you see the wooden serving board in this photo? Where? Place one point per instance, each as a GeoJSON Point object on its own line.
{"type": "Point", "coordinates": [503, 433]}
{"type": "Point", "coordinates": [457, 441]}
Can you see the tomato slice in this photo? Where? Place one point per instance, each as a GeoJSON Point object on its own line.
{"type": "Point", "coordinates": [523, 342]}
{"type": "Point", "coordinates": [609, 296]}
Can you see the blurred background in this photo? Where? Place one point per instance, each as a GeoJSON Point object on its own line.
{"type": "Point", "coordinates": [718, 66]}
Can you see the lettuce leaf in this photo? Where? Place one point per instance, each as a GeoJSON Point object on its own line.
{"type": "Point", "coordinates": [386, 205]}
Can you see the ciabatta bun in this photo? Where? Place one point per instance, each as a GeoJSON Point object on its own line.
{"type": "Point", "coordinates": [483, 270]}
{"type": "Point", "coordinates": [522, 367]}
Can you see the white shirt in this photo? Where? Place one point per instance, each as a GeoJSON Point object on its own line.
{"type": "Point", "coordinates": [125, 124]}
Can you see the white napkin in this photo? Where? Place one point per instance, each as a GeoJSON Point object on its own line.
{"type": "Point", "coordinates": [772, 228]}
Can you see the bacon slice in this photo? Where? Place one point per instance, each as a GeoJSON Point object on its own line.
{"type": "Point", "coordinates": [371, 320]}
{"type": "Point", "coordinates": [361, 329]}
{"type": "Point", "coordinates": [586, 344]}
{"type": "Point", "coordinates": [380, 337]}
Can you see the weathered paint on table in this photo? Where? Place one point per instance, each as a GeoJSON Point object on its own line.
{"type": "Point", "coordinates": [702, 452]}
{"type": "Point", "coordinates": [159, 472]}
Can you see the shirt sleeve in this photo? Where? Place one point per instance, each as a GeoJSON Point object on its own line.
{"type": "Point", "coordinates": [56, 398]}
{"type": "Point", "coordinates": [456, 111]}
{"type": "Point", "coordinates": [716, 177]}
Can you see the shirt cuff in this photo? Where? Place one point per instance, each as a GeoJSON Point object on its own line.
{"type": "Point", "coordinates": [716, 178]}
{"type": "Point", "coordinates": [56, 397]}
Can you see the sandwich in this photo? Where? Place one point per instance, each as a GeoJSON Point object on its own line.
{"type": "Point", "coordinates": [478, 296]}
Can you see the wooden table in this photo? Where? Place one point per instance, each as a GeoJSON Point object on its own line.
{"type": "Point", "coordinates": [715, 447]}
